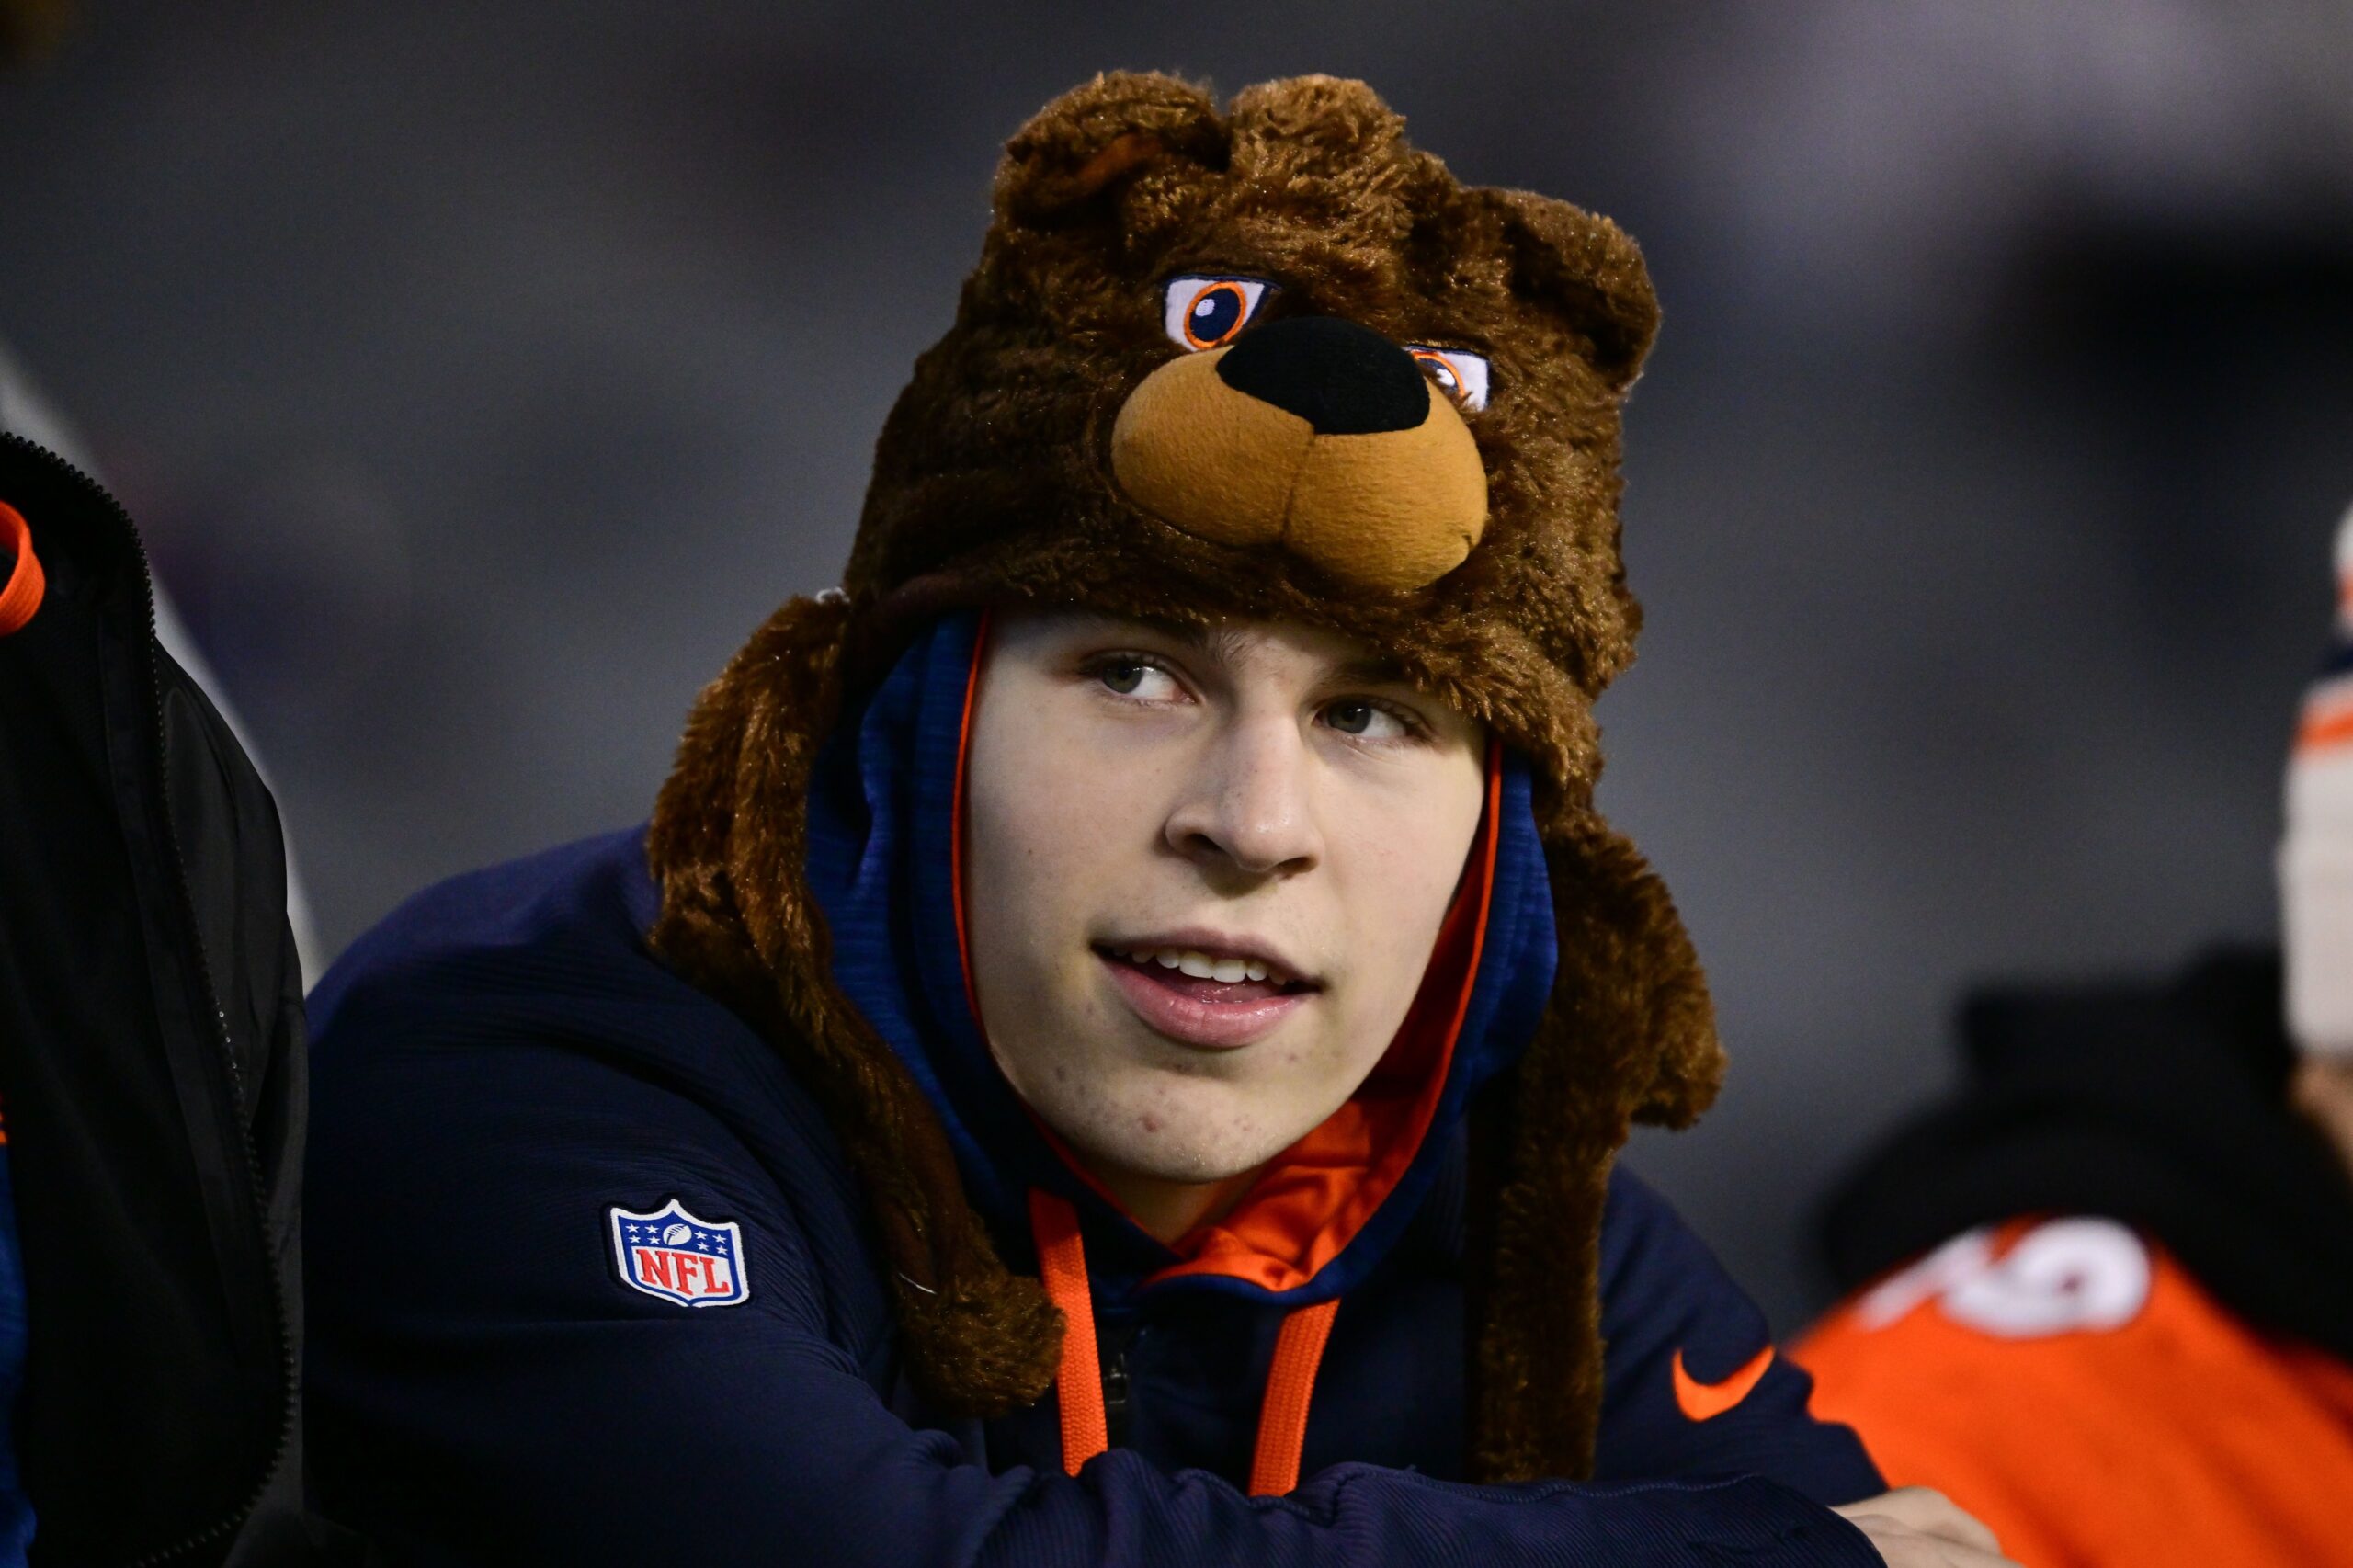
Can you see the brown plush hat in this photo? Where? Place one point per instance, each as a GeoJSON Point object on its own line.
{"type": "Point", "coordinates": [1271, 363]}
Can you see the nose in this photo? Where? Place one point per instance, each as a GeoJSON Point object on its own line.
{"type": "Point", "coordinates": [1343, 379]}
{"type": "Point", "coordinates": [1247, 807]}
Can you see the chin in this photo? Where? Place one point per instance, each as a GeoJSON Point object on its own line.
{"type": "Point", "coordinates": [1188, 1130]}
{"type": "Point", "coordinates": [1176, 1161]}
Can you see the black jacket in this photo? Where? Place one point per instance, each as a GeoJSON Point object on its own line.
{"type": "Point", "coordinates": [151, 1064]}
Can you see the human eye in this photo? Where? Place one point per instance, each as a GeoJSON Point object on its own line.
{"type": "Point", "coordinates": [1369, 719]}
{"type": "Point", "coordinates": [1134, 675]}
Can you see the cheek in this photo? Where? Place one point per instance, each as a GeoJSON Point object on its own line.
{"type": "Point", "coordinates": [1017, 866]}
{"type": "Point", "coordinates": [1047, 831]}
{"type": "Point", "coordinates": [1399, 881]}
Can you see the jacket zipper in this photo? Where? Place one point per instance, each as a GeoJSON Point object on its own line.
{"type": "Point", "coordinates": [1118, 1412]}
{"type": "Point", "coordinates": [1115, 1399]}
{"type": "Point", "coordinates": [289, 1372]}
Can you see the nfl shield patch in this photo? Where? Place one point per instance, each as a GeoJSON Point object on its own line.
{"type": "Point", "coordinates": [670, 1254]}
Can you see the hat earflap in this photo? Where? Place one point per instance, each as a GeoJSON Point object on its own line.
{"type": "Point", "coordinates": [1630, 1035]}
{"type": "Point", "coordinates": [729, 848]}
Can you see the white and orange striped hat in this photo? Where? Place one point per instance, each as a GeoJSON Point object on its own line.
{"type": "Point", "coordinates": [2317, 850]}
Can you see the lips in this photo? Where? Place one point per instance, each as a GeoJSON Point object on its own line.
{"type": "Point", "coordinates": [1211, 1011]}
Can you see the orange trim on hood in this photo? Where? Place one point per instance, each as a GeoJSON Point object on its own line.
{"type": "Point", "coordinates": [956, 821]}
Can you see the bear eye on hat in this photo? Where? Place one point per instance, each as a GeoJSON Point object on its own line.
{"type": "Point", "coordinates": [1207, 311]}
{"type": "Point", "coordinates": [1460, 374]}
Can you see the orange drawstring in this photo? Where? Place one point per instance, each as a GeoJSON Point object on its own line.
{"type": "Point", "coordinates": [1061, 1265]}
{"type": "Point", "coordinates": [21, 595]}
{"type": "Point", "coordinates": [1291, 1381]}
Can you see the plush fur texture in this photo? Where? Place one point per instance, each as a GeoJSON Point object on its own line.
{"type": "Point", "coordinates": [993, 484]}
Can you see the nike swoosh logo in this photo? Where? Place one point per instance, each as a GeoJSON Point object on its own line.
{"type": "Point", "coordinates": [1705, 1401]}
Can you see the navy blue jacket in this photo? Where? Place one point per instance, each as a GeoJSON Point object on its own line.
{"type": "Point", "coordinates": [504, 1063]}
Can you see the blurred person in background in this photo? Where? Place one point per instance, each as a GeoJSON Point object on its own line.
{"type": "Point", "coordinates": [2119, 1325]}
{"type": "Point", "coordinates": [152, 1062]}
{"type": "Point", "coordinates": [151, 1050]}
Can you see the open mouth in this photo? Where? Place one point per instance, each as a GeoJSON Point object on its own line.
{"type": "Point", "coordinates": [1210, 975]}
{"type": "Point", "coordinates": [1203, 998]}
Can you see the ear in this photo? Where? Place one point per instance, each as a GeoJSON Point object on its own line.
{"type": "Point", "coordinates": [1093, 139]}
{"type": "Point", "coordinates": [1590, 270]}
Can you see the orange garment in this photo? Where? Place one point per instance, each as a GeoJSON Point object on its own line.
{"type": "Point", "coordinates": [22, 584]}
{"type": "Point", "coordinates": [2070, 1384]}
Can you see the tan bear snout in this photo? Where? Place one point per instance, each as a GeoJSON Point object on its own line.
{"type": "Point", "coordinates": [1394, 507]}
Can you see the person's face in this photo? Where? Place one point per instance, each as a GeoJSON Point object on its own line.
{"type": "Point", "coordinates": [1265, 803]}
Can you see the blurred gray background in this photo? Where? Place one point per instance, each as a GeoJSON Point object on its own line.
{"type": "Point", "coordinates": [482, 373]}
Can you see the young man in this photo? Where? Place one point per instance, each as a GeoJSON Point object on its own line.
{"type": "Point", "coordinates": [1113, 1046]}
{"type": "Point", "coordinates": [2125, 1332]}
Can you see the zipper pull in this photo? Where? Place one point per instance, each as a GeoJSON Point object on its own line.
{"type": "Point", "coordinates": [1115, 1398]}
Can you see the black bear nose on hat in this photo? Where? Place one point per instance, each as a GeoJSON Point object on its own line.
{"type": "Point", "coordinates": [1343, 379]}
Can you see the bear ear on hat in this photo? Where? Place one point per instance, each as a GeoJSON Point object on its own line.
{"type": "Point", "coordinates": [1590, 270]}
{"type": "Point", "coordinates": [1093, 139]}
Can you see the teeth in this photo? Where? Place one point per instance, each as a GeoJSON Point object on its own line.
{"type": "Point", "coordinates": [1197, 964]}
